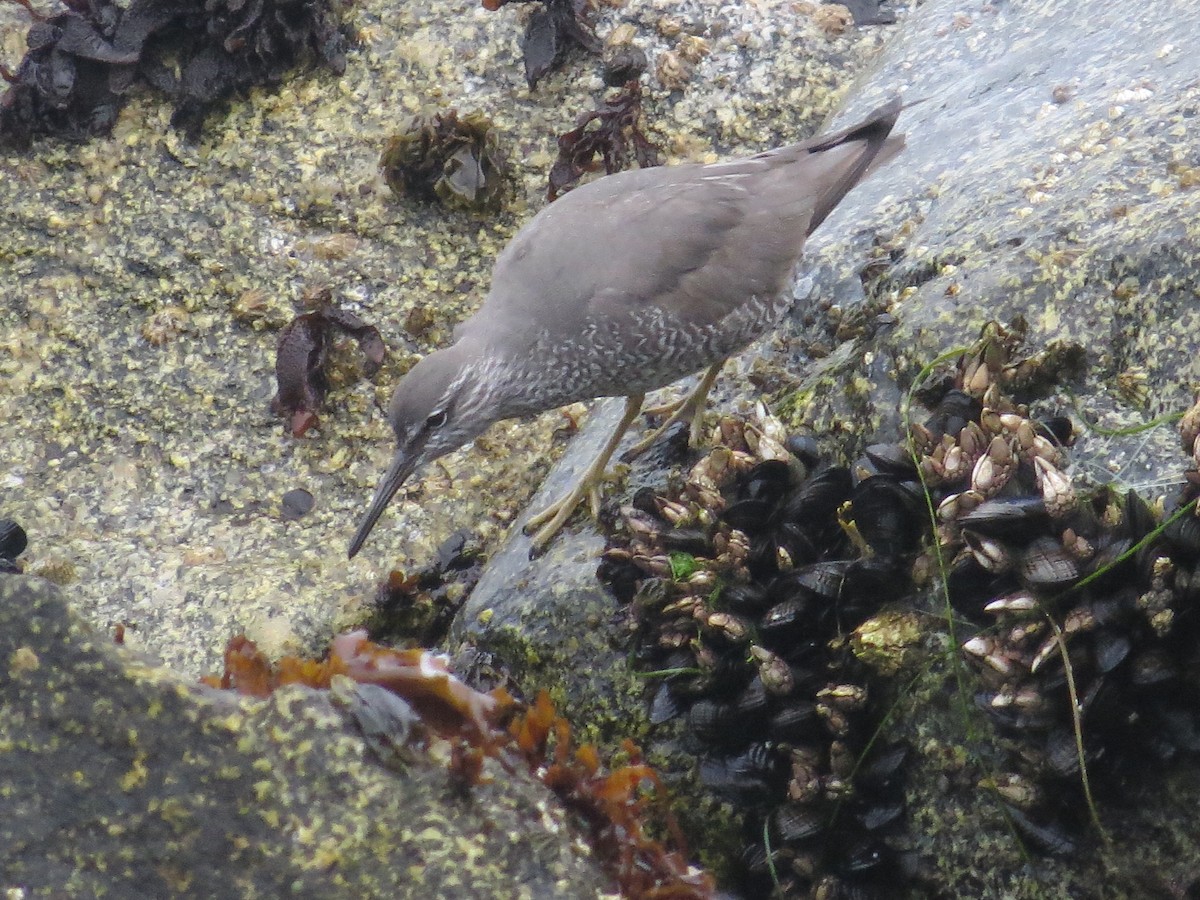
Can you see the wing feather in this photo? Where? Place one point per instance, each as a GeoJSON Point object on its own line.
{"type": "Point", "coordinates": [695, 241]}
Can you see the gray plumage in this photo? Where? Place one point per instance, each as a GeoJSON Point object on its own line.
{"type": "Point", "coordinates": [627, 284]}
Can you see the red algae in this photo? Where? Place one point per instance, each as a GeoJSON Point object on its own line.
{"type": "Point", "coordinates": [420, 677]}
{"type": "Point", "coordinates": [618, 807]}
{"type": "Point", "coordinates": [614, 806]}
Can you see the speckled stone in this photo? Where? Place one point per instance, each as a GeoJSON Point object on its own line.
{"type": "Point", "coordinates": [119, 779]}
{"type": "Point", "coordinates": [143, 280]}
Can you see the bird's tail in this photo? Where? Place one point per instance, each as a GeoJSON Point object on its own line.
{"type": "Point", "coordinates": [881, 146]}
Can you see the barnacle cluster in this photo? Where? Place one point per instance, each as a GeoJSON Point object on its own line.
{"type": "Point", "coordinates": [442, 156]}
{"type": "Point", "coordinates": [1090, 665]}
{"type": "Point", "coordinates": [775, 597]}
{"type": "Point", "coordinates": [748, 586]}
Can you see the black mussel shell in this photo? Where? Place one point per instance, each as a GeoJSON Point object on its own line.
{"type": "Point", "coordinates": [1049, 838]}
{"type": "Point", "coordinates": [822, 580]}
{"type": "Point", "coordinates": [754, 776]}
{"type": "Point", "coordinates": [872, 581]}
{"type": "Point", "coordinates": [754, 858]}
{"type": "Point", "coordinates": [1152, 667]}
{"type": "Point", "coordinates": [768, 551]}
{"type": "Point", "coordinates": [864, 858]}
{"type": "Point", "coordinates": [621, 576]}
{"type": "Point", "coordinates": [884, 768]}
{"type": "Point", "coordinates": [889, 515]}
{"type": "Point", "coordinates": [796, 720]}
{"type": "Point", "coordinates": [753, 701]}
{"type": "Point", "coordinates": [1104, 707]}
{"type": "Point", "coordinates": [796, 542]}
{"type": "Point", "coordinates": [1057, 429]}
{"type": "Point", "coordinates": [792, 823]}
{"type": "Point", "coordinates": [1110, 648]}
{"type": "Point", "coordinates": [693, 541]}
{"type": "Point", "coordinates": [783, 622]}
{"type": "Point", "coordinates": [815, 503]}
{"type": "Point", "coordinates": [1006, 517]}
{"type": "Point", "coordinates": [716, 722]}
{"type": "Point", "coordinates": [749, 599]}
{"type": "Point", "coordinates": [804, 448]}
{"type": "Point", "coordinates": [1046, 563]}
{"type": "Point", "coordinates": [952, 414]}
{"type": "Point", "coordinates": [643, 501]}
{"type": "Point", "coordinates": [1137, 519]}
{"type": "Point", "coordinates": [879, 816]}
{"type": "Point", "coordinates": [769, 480]}
{"type": "Point", "coordinates": [892, 459]}
{"type": "Point", "coordinates": [971, 587]}
{"type": "Point", "coordinates": [665, 706]}
{"type": "Point", "coordinates": [13, 540]}
{"type": "Point", "coordinates": [1182, 539]}
{"type": "Point", "coordinates": [751, 516]}
{"type": "Point", "coordinates": [1062, 755]}
{"type": "Point", "coordinates": [1112, 575]}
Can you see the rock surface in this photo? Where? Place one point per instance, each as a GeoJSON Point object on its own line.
{"type": "Point", "coordinates": [1051, 177]}
{"type": "Point", "coordinates": [143, 282]}
{"type": "Point", "coordinates": [1051, 174]}
{"type": "Point", "coordinates": [119, 779]}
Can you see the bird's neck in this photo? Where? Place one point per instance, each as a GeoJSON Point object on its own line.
{"type": "Point", "coordinates": [505, 387]}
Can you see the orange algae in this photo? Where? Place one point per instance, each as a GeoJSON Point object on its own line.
{"type": "Point", "coordinates": [421, 677]}
{"type": "Point", "coordinates": [614, 806]}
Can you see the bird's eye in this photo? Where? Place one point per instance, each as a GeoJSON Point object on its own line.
{"type": "Point", "coordinates": [437, 420]}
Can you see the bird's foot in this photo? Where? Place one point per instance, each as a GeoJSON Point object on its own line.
{"type": "Point", "coordinates": [680, 410]}
{"type": "Point", "coordinates": [690, 406]}
{"type": "Point", "coordinates": [550, 520]}
{"type": "Point", "coordinates": [665, 409]}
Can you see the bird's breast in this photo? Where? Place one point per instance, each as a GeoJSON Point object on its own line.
{"type": "Point", "coordinates": [633, 354]}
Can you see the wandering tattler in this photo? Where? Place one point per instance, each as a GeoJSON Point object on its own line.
{"type": "Point", "coordinates": [622, 286]}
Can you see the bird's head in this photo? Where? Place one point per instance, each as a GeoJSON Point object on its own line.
{"type": "Point", "coordinates": [438, 406]}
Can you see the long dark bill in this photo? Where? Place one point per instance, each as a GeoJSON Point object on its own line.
{"type": "Point", "coordinates": [400, 468]}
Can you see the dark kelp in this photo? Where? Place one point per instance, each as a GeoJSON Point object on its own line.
{"type": "Point", "coordinates": [302, 354]}
{"type": "Point", "coordinates": [615, 138]}
{"type": "Point", "coordinates": [83, 61]}
{"type": "Point", "coordinates": [554, 28]}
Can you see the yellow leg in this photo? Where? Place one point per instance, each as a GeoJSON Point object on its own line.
{"type": "Point", "coordinates": [551, 519]}
{"type": "Point", "coordinates": [691, 405]}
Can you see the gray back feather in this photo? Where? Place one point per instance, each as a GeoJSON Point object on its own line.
{"type": "Point", "coordinates": [697, 241]}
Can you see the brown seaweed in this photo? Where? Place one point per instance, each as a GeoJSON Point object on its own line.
{"type": "Point", "coordinates": [616, 137]}
{"type": "Point", "coordinates": [83, 61]}
{"type": "Point", "coordinates": [440, 156]}
{"type": "Point", "coordinates": [552, 31]}
{"type": "Point", "coordinates": [301, 357]}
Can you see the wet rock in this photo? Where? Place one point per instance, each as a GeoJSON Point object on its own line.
{"type": "Point", "coordinates": [94, 735]}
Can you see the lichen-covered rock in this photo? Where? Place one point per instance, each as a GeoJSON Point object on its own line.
{"type": "Point", "coordinates": [118, 778]}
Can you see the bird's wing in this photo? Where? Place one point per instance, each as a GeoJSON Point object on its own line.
{"type": "Point", "coordinates": [695, 241]}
